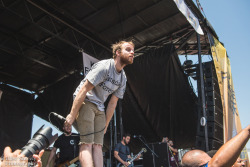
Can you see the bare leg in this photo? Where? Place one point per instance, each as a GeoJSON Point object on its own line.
{"type": "Point", "coordinates": [97, 155]}
{"type": "Point", "coordinates": [85, 155]}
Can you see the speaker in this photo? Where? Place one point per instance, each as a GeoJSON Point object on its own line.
{"type": "Point", "coordinates": [214, 110]}
{"type": "Point", "coordinates": [214, 114]}
{"type": "Point", "coordinates": [215, 131]}
{"type": "Point", "coordinates": [213, 99]}
{"type": "Point", "coordinates": [213, 144]}
{"type": "Point", "coordinates": [150, 160]}
{"type": "Point", "coordinates": [208, 69]}
{"type": "Point", "coordinates": [210, 84]}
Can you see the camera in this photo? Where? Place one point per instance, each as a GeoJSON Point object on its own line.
{"type": "Point", "coordinates": [41, 139]}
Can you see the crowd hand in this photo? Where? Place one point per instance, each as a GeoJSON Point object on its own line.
{"type": "Point", "coordinates": [17, 159]}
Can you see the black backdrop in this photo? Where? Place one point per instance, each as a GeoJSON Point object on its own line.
{"type": "Point", "coordinates": [159, 100]}
{"type": "Point", "coordinates": [15, 118]}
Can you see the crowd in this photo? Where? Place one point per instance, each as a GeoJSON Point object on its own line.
{"type": "Point", "coordinates": [226, 156]}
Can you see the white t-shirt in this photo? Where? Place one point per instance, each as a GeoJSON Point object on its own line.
{"type": "Point", "coordinates": [107, 80]}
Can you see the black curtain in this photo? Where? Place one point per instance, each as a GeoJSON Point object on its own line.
{"type": "Point", "coordinates": [15, 118]}
{"type": "Point", "coordinates": [57, 98]}
{"type": "Point", "coordinates": [159, 100]}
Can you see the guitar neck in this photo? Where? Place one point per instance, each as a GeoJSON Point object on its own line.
{"type": "Point", "coordinates": [68, 163]}
{"type": "Point", "coordinates": [74, 160]}
{"type": "Point", "coordinates": [135, 156]}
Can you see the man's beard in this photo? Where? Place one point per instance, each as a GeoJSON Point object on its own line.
{"type": "Point", "coordinates": [124, 60]}
{"type": "Point", "coordinates": [125, 142]}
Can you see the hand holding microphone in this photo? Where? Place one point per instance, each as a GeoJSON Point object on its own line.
{"type": "Point", "coordinates": [69, 120]}
{"type": "Point", "coordinates": [57, 120]}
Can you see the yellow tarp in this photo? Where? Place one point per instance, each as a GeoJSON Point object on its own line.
{"type": "Point", "coordinates": [231, 118]}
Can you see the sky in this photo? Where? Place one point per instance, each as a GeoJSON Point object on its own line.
{"type": "Point", "coordinates": [230, 20]}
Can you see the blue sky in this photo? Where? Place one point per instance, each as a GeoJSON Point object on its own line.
{"type": "Point", "coordinates": [230, 20]}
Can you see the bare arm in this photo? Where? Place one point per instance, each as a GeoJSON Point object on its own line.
{"type": "Point", "coordinates": [230, 151]}
{"type": "Point", "coordinates": [79, 99]}
{"type": "Point", "coordinates": [51, 155]}
{"type": "Point", "coordinates": [119, 158]}
{"type": "Point", "coordinates": [110, 110]}
{"type": "Point", "coordinates": [173, 149]}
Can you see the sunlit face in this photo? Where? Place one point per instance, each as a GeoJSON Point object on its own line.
{"type": "Point", "coordinates": [126, 139]}
{"type": "Point", "coordinates": [127, 53]}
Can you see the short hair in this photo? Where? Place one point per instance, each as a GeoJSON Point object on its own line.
{"type": "Point", "coordinates": [118, 46]}
{"type": "Point", "coordinates": [126, 134]}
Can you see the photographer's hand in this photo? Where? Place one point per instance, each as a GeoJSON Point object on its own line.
{"type": "Point", "coordinates": [17, 159]}
{"type": "Point", "coordinates": [13, 158]}
{"type": "Point", "coordinates": [38, 158]}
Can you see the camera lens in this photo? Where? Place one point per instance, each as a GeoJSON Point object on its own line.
{"type": "Point", "coordinates": [41, 139]}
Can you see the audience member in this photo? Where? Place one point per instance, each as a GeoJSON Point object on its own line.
{"type": "Point", "coordinates": [225, 156]}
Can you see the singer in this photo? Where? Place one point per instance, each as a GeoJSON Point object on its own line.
{"type": "Point", "coordinates": [106, 77]}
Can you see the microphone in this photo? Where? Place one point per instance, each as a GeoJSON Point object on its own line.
{"type": "Point", "coordinates": [61, 118]}
{"type": "Point", "coordinates": [135, 136]}
{"type": "Point", "coordinates": [57, 120]}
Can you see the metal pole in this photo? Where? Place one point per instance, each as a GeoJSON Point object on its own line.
{"type": "Point", "coordinates": [202, 90]}
{"type": "Point", "coordinates": [120, 115]}
{"type": "Point", "coordinates": [111, 143]}
{"type": "Point", "coordinates": [115, 128]}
